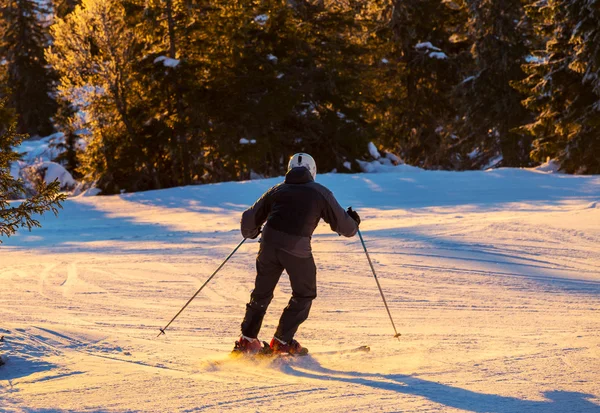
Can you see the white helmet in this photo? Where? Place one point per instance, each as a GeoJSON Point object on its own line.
{"type": "Point", "coordinates": [304, 160]}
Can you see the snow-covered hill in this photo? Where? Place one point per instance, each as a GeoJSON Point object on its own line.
{"type": "Point", "coordinates": [492, 278]}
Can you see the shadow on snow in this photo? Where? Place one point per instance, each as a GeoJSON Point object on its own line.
{"type": "Point", "coordinates": [559, 401]}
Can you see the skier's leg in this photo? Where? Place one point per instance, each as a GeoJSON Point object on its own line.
{"type": "Point", "coordinates": [268, 271]}
{"type": "Point", "coordinates": [303, 277]}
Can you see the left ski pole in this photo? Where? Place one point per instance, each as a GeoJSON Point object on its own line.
{"type": "Point", "coordinates": [162, 330]}
{"type": "Point", "coordinates": [397, 334]}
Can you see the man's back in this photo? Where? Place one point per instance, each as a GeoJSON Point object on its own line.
{"type": "Point", "coordinates": [292, 211]}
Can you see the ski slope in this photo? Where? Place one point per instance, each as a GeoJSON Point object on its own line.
{"type": "Point", "coordinates": [492, 278]}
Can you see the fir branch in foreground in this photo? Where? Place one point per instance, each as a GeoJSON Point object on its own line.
{"type": "Point", "coordinates": [47, 199]}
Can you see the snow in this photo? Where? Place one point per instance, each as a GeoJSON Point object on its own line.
{"type": "Point", "coordinates": [434, 52]}
{"type": "Point", "coordinates": [491, 277]}
{"type": "Point", "coordinates": [309, 107]}
{"type": "Point", "coordinates": [394, 158]}
{"type": "Point", "coordinates": [385, 61]}
{"type": "Point", "coordinates": [493, 162]}
{"type": "Point", "coordinates": [373, 150]}
{"type": "Point", "coordinates": [40, 148]}
{"type": "Point", "coordinates": [385, 165]}
{"type": "Point", "coordinates": [426, 45]}
{"type": "Point", "coordinates": [388, 163]}
{"type": "Point", "coordinates": [550, 166]}
{"type": "Point", "coordinates": [347, 165]}
{"type": "Point", "coordinates": [245, 141]}
{"type": "Point", "coordinates": [15, 169]}
{"type": "Point", "coordinates": [53, 171]}
{"type": "Point", "coordinates": [535, 59]}
{"type": "Point", "coordinates": [167, 61]}
{"type": "Point", "coordinates": [262, 19]}
{"type": "Point", "coordinates": [473, 154]}
{"type": "Point", "coordinates": [272, 58]}
{"type": "Point", "coordinates": [438, 55]}
{"type": "Point", "coordinates": [90, 192]}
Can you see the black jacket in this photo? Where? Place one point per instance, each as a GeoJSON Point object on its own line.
{"type": "Point", "coordinates": [292, 210]}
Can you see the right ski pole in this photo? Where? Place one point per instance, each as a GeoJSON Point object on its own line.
{"type": "Point", "coordinates": [397, 334]}
{"type": "Point", "coordinates": [162, 330]}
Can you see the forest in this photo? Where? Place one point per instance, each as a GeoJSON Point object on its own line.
{"type": "Point", "coordinates": [152, 94]}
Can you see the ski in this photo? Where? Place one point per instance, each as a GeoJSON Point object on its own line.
{"type": "Point", "coordinates": [266, 352]}
{"type": "Point", "coordinates": [359, 349]}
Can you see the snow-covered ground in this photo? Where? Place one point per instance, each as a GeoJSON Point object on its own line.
{"type": "Point", "coordinates": [492, 278]}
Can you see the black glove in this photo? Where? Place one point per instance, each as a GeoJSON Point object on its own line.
{"type": "Point", "coordinates": [258, 232]}
{"type": "Point", "coordinates": [354, 215]}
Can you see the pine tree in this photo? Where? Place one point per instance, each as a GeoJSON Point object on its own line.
{"type": "Point", "coordinates": [66, 122]}
{"type": "Point", "coordinates": [23, 38]}
{"type": "Point", "coordinates": [64, 7]}
{"type": "Point", "coordinates": [94, 52]}
{"type": "Point", "coordinates": [46, 199]}
{"type": "Point", "coordinates": [563, 85]}
{"type": "Point", "coordinates": [490, 107]}
{"type": "Point", "coordinates": [289, 80]}
{"type": "Point", "coordinates": [427, 48]}
{"type": "Point", "coordinates": [65, 118]}
{"type": "Point", "coordinates": [130, 67]}
{"type": "Point", "coordinates": [169, 74]}
{"type": "Point", "coordinates": [582, 151]}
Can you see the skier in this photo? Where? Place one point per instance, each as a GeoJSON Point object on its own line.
{"type": "Point", "coordinates": [292, 210]}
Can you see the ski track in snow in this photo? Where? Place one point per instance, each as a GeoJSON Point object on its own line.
{"type": "Point", "coordinates": [492, 278]}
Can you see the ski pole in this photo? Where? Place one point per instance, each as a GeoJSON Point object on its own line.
{"type": "Point", "coordinates": [162, 330]}
{"type": "Point", "coordinates": [378, 285]}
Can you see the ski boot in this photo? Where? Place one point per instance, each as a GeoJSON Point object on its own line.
{"type": "Point", "coordinates": [247, 345]}
{"type": "Point", "coordinates": [293, 347]}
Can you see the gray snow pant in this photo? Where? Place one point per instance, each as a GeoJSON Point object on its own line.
{"type": "Point", "coordinates": [270, 263]}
